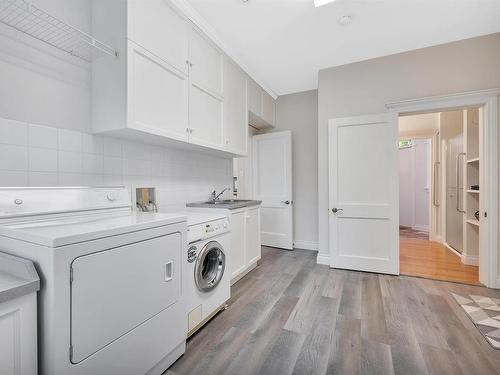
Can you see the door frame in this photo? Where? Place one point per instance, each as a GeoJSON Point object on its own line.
{"type": "Point", "coordinates": [488, 101]}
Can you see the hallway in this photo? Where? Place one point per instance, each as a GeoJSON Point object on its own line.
{"type": "Point", "coordinates": [423, 258]}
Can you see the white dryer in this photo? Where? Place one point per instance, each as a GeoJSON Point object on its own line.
{"type": "Point", "coordinates": [112, 280]}
{"type": "Point", "coordinates": [208, 284]}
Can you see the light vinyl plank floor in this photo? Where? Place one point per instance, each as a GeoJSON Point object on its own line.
{"type": "Point", "coordinates": [292, 316]}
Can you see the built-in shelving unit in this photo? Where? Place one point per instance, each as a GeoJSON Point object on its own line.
{"type": "Point", "coordinates": [472, 196]}
{"type": "Point", "coordinates": [35, 22]}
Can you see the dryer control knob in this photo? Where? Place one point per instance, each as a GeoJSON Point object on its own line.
{"type": "Point", "coordinates": [111, 197]}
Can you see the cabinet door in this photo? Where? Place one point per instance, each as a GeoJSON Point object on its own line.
{"type": "Point", "coordinates": [205, 64]}
{"type": "Point", "coordinates": [157, 95]}
{"type": "Point", "coordinates": [252, 235]}
{"type": "Point", "coordinates": [268, 108]}
{"type": "Point", "coordinates": [254, 97]}
{"type": "Point", "coordinates": [235, 109]}
{"type": "Point", "coordinates": [205, 118]}
{"type": "Point", "coordinates": [237, 251]}
{"type": "Point", "coordinates": [156, 26]}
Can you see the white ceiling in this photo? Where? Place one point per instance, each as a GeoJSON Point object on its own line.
{"type": "Point", "coordinates": [284, 43]}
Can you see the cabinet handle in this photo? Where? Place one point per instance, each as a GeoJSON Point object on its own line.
{"type": "Point", "coordinates": [286, 202]}
{"type": "Point", "coordinates": [336, 210]}
{"type": "Point", "coordinates": [169, 271]}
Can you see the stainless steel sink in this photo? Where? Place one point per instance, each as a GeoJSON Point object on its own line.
{"type": "Point", "coordinates": [227, 201]}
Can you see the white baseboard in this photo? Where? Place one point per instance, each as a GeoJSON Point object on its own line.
{"type": "Point", "coordinates": [422, 228]}
{"type": "Point", "coordinates": [305, 245]}
{"type": "Point", "coordinates": [323, 259]}
{"type": "Point", "coordinates": [470, 260]}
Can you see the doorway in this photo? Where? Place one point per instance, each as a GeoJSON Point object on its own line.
{"type": "Point", "coordinates": [439, 195]}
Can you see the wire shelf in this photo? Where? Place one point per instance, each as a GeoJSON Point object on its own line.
{"type": "Point", "coordinates": [31, 20]}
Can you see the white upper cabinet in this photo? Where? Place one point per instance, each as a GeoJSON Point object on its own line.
{"type": "Point", "coordinates": [157, 27]}
{"type": "Point", "coordinates": [254, 93]}
{"type": "Point", "coordinates": [205, 92]}
{"type": "Point", "coordinates": [260, 106]}
{"type": "Point", "coordinates": [205, 63]}
{"type": "Point", "coordinates": [157, 95]}
{"type": "Point", "coordinates": [268, 108]}
{"type": "Point", "coordinates": [167, 84]}
{"type": "Point", "coordinates": [235, 113]}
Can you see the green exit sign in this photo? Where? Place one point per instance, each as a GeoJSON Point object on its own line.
{"type": "Point", "coordinates": [405, 143]}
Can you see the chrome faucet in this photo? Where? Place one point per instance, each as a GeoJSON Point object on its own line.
{"type": "Point", "coordinates": [215, 197]}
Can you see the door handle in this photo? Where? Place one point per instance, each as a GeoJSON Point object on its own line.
{"type": "Point", "coordinates": [435, 185]}
{"type": "Point", "coordinates": [286, 202]}
{"type": "Point", "coordinates": [457, 182]}
{"type": "Point", "coordinates": [169, 271]}
{"type": "Point", "coordinates": [336, 210]}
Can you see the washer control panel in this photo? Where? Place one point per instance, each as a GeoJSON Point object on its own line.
{"type": "Point", "coordinates": [207, 230]}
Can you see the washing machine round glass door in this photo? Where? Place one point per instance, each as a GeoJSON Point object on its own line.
{"type": "Point", "coordinates": [210, 266]}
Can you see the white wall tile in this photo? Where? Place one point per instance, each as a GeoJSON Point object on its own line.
{"type": "Point", "coordinates": [136, 151]}
{"type": "Point", "coordinates": [13, 132]}
{"type": "Point", "coordinates": [70, 162]}
{"type": "Point", "coordinates": [112, 147]}
{"type": "Point", "coordinates": [133, 167]}
{"type": "Point", "coordinates": [181, 176]}
{"type": "Point", "coordinates": [14, 158]}
{"type": "Point", "coordinates": [70, 179]}
{"type": "Point", "coordinates": [42, 136]}
{"type": "Point", "coordinates": [69, 140]}
{"type": "Point", "coordinates": [92, 144]}
{"type": "Point", "coordinates": [112, 165]}
{"type": "Point", "coordinates": [42, 179]}
{"type": "Point", "coordinates": [92, 163]}
{"type": "Point", "coordinates": [13, 178]}
{"type": "Point", "coordinates": [42, 160]}
{"type": "Point", "coordinates": [92, 179]}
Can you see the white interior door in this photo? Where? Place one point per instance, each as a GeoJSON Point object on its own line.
{"type": "Point", "coordinates": [363, 189]}
{"type": "Point", "coordinates": [272, 167]}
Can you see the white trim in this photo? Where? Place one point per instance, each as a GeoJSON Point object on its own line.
{"type": "Point", "coordinates": [305, 245]}
{"type": "Point", "coordinates": [196, 18]}
{"type": "Point", "coordinates": [433, 103]}
{"type": "Point", "coordinates": [452, 250]}
{"type": "Point", "coordinates": [325, 260]}
{"type": "Point", "coordinates": [488, 99]}
{"type": "Point", "coordinates": [470, 260]}
{"type": "Point", "coordinates": [421, 228]}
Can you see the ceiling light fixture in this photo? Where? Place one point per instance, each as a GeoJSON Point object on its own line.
{"type": "Point", "coordinates": [344, 20]}
{"type": "Point", "coordinates": [318, 3]}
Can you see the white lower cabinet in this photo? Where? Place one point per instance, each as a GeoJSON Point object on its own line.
{"type": "Point", "coordinates": [18, 344]}
{"type": "Point", "coordinates": [245, 249]}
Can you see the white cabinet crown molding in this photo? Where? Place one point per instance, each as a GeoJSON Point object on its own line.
{"type": "Point", "coordinates": [203, 25]}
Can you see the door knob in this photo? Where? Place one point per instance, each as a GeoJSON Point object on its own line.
{"type": "Point", "coordinates": [285, 202]}
{"type": "Point", "coordinates": [336, 210]}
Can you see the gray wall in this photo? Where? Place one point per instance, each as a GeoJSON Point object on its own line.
{"type": "Point", "coordinates": [365, 87]}
{"type": "Point", "coordinates": [299, 113]}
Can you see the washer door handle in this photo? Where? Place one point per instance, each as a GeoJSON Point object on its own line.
{"type": "Point", "coordinates": [169, 271]}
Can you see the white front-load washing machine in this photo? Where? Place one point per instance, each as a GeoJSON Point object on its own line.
{"type": "Point", "coordinates": [208, 285]}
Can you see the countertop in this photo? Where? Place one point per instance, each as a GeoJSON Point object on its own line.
{"type": "Point", "coordinates": [18, 277]}
{"type": "Point", "coordinates": [225, 205]}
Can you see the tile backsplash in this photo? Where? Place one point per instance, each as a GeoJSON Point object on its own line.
{"type": "Point", "coordinates": [37, 155]}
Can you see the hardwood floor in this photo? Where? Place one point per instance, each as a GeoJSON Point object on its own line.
{"type": "Point", "coordinates": [423, 258]}
{"type": "Point", "coordinates": [292, 316]}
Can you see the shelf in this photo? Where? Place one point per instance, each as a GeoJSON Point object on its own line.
{"type": "Point", "coordinates": [473, 222]}
{"type": "Point", "coordinates": [474, 160]}
{"type": "Point", "coordinates": [473, 191]}
{"type": "Point", "coordinates": [33, 21]}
